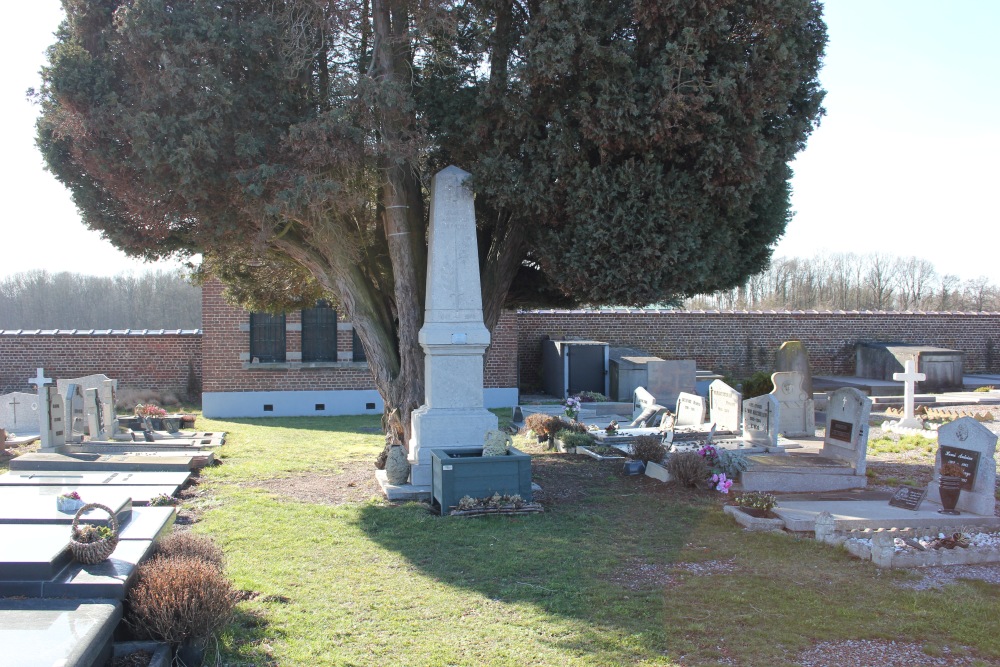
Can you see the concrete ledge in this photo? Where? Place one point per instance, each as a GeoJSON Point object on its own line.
{"type": "Point", "coordinates": [753, 523]}
{"type": "Point", "coordinates": [403, 492]}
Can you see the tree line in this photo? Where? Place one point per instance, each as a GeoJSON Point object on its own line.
{"type": "Point", "coordinates": [154, 300]}
{"type": "Point", "coordinates": [849, 281]}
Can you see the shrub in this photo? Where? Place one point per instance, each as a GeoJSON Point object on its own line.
{"type": "Point", "coordinates": [163, 500]}
{"type": "Point", "coordinates": [985, 388]}
{"type": "Point", "coordinates": [688, 468]}
{"type": "Point", "coordinates": [575, 438]}
{"type": "Point", "coordinates": [757, 384]}
{"type": "Point", "coordinates": [190, 545]}
{"type": "Point", "coordinates": [730, 463]}
{"type": "Point", "coordinates": [592, 397]}
{"type": "Point", "coordinates": [648, 448]}
{"type": "Point", "coordinates": [180, 598]}
{"type": "Point", "coordinates": [536, 423]}
{"type": "Point", "coordinates": [756, 500]}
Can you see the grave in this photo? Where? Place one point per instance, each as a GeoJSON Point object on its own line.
{"type": "Point", "coordinates": [760, 422]}
{"type": "Point", "coordinates": [132, 462]}
{"type": "Point", "coordinates": [140, 495]}
{"type": "Point", "coordinates": [68, 633]}
{"type": "Point", "coordinates": [793, 356]}
{"type": "Point", "coordinates": [724, 407]}
{"type": "Point", "coordinates": [19, 413]}
{"type": "Point", "coordinates": [668, 379]}
{"type": "Point", "coordinates": [627, 371]}
{"type": "Point", "coordinates": [942, 367]}
{"type": "Point", "coordinates": [690, 411]}
{"type": "Point", "coordinates": [909, 422]}
{"type": "Point", "coordinates": [37, 505]}
{"type": "Point", "coordinates": [453, 337]}
{"type": "Point", "coordinates": [83, 478]}
{"type": "Point", "coordinates": [839, 465]}
{"type": "Point", "coordinates": [75, 419]}
{"type": "Point", "coordinates": [973, 446]}
{"type": "Point", "coordinates": [797, 411]}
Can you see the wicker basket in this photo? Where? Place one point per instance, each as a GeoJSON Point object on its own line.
{"type": "Point", "coordinates": [91, 553]}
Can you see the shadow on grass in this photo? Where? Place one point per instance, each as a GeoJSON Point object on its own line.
{"type": "Point", "coordinates": [353, 424]}
{"type": "Point", "coordinates": [247, 638]}
{"type": "Point", "coordinates": [567, 561]}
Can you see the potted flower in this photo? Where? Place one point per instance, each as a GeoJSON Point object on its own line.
{"type": "Point", "coordinates": [572, 408]}
{"type": "Point", "coordinates": [612, 428]}
{"type": "Point", "coordinates": [950, 487]}
{"type": "Point", "coordinates": [151, 416]}
{"type": "Point", "coordinates": [69, 502]}
{"type": "Point", "coordinates": [567, 440]}
{"type": "Point", "coordinates": [91, 543]}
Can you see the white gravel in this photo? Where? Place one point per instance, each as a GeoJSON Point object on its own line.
{"type": "Point", "coordinates": [880, 653]}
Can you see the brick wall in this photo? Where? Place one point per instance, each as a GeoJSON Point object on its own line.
{"type": "Point", "coordinates": [739, 343]}
{"type": "Point", "coordinates": [138, 359]}
{"type": "Point", "coordinates": [225, 340]}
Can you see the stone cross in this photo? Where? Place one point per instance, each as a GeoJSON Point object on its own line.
{"type": "Point", "coordinates": [909, 377]}
{"type": "Point", "coordinates": [40, 380]}
{"type": "Point", "coordinates": [13, 408]}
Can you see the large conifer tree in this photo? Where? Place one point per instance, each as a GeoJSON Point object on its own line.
{"type": "Point", "coordinates": [622, 152]}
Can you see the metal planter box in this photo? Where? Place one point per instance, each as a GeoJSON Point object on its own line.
{"type": "Point", "coordinates": [463, 471]}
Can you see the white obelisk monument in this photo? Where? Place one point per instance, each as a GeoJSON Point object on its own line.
{"type": "Point", "coordinates": [454, 336]}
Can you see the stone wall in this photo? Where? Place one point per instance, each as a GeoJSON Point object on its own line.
{"type": "Point", "coordinates": [139, 359]}
{"type": "Point", "coordinates": [740, 343]}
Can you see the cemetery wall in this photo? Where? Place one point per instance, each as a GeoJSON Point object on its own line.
{"type": "Point", "coordinates": [741, 343]}
{"type": "Point", "coordinates": [136, 358]}
{"type": "Point", "coordinates": [227, 346]}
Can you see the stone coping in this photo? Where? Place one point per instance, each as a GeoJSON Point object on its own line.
{"type": "Point", "coordinates": [100, 332]}
{"type": "Point", "coordinates": [681, 311]}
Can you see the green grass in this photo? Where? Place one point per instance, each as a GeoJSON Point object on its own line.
{"type": "Point", "coordinates": [908, 443]}
{"type": "Point", "coordinates": [369, 583]}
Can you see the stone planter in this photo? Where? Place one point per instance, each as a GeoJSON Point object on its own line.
{"type": "Point", "coordinates": [752, 523]}
{"type": "Point", "coordinates": [464, 471]}
{"type": "Point", "coordinates": [949, 488]}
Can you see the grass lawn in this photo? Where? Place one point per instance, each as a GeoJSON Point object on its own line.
{"type": "Point", "coordinates": [617, 571]}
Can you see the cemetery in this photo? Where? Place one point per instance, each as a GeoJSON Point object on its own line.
{"type": "Point", "coordinates": [686, 486]}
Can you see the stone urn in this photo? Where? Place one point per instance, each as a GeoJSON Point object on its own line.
{"type": "Point", "coordinates": [496, 443]}
{"type": "Point", "coordinates": [397, 468]}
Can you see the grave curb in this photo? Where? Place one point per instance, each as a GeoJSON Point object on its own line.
{"type": "Point", "coordinates": [752, 523]}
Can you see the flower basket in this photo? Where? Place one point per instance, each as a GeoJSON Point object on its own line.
{"type": "Point", "coordinates": [91, 553]}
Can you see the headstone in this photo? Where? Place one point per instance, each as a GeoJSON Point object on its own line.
{"type": "Point", "coordinates": [724, 404]}
{"type": "Point", "coordinates": [797, 409]}
{"type": "Point", "coordinates": [909, 377]}
{"type": "Point", "coordinates": [793, 356]}
{"type": "Point", "coordinates": [846, 436]}
{"type": "Point", "coordinates": [107, 402]}
{"type": "Point", "coordinates": [760, 421]}
{"type": "Point", "coordinates": [92, 411]}
{"type": "Point", "coordinates": [86, 382]}
{"type": "Point", "coordinates": [453, 336]}
{"type": "Point", "coordinates": [973, 446]}
{"type": "Point", "coordinates": [690, 410]}
{"type": "Point", "coordinates": [19, 413]}
{"type": "Point", "coordinates": [51, 418]}
{"type": "Point", "coordinates": [668, 379]}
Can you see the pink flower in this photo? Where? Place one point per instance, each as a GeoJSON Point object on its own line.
{"type": "Point", "coordinates": [721, 483]}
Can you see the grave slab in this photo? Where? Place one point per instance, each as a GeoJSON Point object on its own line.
{"type": "Point", "coordinates": [140, 495]}
{"type": "Point", "coordinates": [68, 633]}
{"type": "Point", "coordinates": [84, 478]}
{"type": "Point", "coordinates": [133, 462]}
{"type": "Point", "coordinates": [37, 505]}
{"type": "Point", "coordinates": [107, 579]}
{"type": "Point", "coordinates": [799, 472]}
{"type": "Point", "coordinates": [149, 523]}
{"type": "Point", "coordinates": [800, 515]}
{"type": "Point", "coordinates": [178, 447]}
{"type": "Point", "coordinates": [32, 552]}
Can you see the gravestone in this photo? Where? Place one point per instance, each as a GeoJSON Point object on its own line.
{"type": "Point", "coordinates": [724, 405]}
{"type": "Point", "coordinates": [846, 436]}
{"type": "Point", "coordinates": [797, 409]}
{"type": "Point", "coordinates": [909, 377]}
{"type": "Point", "coordinates": [973, 446]}
{"type": "Point", "coordinates": [86, 382]}
{"type": "Point", "coordinates": [668, 379]}
{"type": "Point", "coordinates": [690, 410]}
{"type": "Point", "coordinates": [94, 414]}
{"type": "Point", "coordinates": [453, 336]}
{"type": "Point", "coordinates": [52, 419]}
{"type": "Point", "coordinates": [645, 409]}
{"type": "Point", "coordinates": [760, 421]}
{"type": "Point", "coordinates": [793, 356]}
{"type": "Point", "coordinates": [75, 419]}
{"type": "Point", "coordinates": [19, 413]}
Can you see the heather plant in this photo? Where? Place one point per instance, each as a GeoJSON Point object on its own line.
{"type": "Point", "coordinates": [688, 468]}
{"type": "Point", "coordinates": [191, 545]}
{"type": "Point", "coordinates": [648, 448]}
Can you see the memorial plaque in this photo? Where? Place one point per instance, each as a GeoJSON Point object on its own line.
{"type": "Point", "coordinates": [968, 459]}
{"type": "Point", "coordinates": [841, 430]}
{"type": "Point", "coordinates": [908, 497]}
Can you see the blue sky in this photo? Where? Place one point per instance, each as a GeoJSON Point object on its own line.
{"type": "Point", "coordinates": [904, 163]}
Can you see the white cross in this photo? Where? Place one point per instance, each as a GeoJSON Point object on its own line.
{"type": "Point", "coordinates": [908, 377]}
{"type": "Point", "coordinates": [40, 380]}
